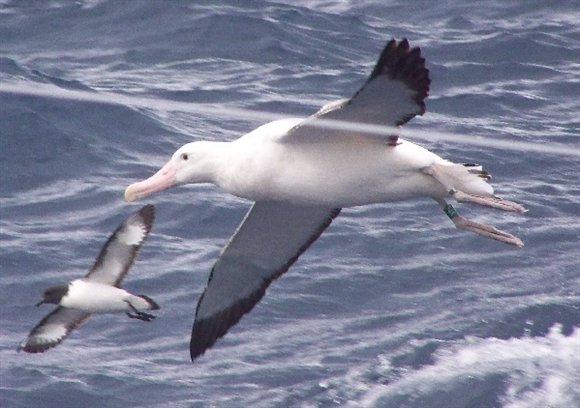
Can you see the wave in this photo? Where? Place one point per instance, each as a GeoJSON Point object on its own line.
{"type": "Point", "coordinates": [531, 372]}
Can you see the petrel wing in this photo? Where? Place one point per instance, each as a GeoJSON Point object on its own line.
{"type": "Point", "coordinates": [120, 250]}
{"type": "Point", "coordinates": [52, 330]}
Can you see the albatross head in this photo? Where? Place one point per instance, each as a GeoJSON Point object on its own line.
{"type": "Point", "coordinates": [191, 163]}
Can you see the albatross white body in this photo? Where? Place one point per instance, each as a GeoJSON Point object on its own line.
{"type": "Point", "coordinates": [263, 166]}
{"type": "Point", "coordinates": [300, 174]}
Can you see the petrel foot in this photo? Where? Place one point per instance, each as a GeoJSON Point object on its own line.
{"type": "Point", "coordinates": [146, 317]}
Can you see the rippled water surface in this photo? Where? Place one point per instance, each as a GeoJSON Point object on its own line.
{"type": "Point", "coordinates": [392, 306]}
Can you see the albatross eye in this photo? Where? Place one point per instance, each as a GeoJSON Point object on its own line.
{"type": "Point", "coordinates": [184, 156]}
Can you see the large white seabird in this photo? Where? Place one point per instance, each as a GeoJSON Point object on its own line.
{"type": "Point", "coordinates": [300, 176]}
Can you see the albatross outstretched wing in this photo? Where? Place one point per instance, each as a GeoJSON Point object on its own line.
{"type": "Point", "coordinates": [270, 239]}
{"type": "Point", "coordinates": [274, 234]}
{"type": "Point", "coordinates": [392, 95]}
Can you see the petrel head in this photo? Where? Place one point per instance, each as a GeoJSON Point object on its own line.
{"type": "Point", "coordinates": [53, 294]}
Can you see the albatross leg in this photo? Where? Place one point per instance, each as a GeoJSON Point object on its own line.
{"type": "Point", "coordinates": [481, 229]}
{"type": "Point", "coordinates": [494, 201]}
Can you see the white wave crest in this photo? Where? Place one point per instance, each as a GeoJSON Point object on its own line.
{"type": "Point", "coordinates": [536, 372]}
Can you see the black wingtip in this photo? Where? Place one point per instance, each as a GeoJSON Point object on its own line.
{"type": "Point", "coordinates": [205, 332]}
{"type": "Point", "coordinates": [147, 212]}
{"type": "Point", "coordinates": [153, 304]}
{"type": "Point", "coordinates": [36, 348]}
{"type": "Point", "coordinates": [32, 350]}
{"type": "Point", "coordinates": [401, 62]}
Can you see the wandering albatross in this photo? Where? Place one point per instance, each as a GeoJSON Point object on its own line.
{"type": "Point", "coordinates": [300, 176]}
{"type": "Point", "coordinates": [99, 291]}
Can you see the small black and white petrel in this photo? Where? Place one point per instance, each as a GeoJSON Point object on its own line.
{"type": "Point", "coordinates": [98, 291]}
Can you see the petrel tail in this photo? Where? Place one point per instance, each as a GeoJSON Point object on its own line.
{"type": "Point", "coordinates": [152, 304]}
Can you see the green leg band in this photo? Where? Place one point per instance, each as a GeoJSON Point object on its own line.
{"type": "Point", "coordinates": [450, 211]}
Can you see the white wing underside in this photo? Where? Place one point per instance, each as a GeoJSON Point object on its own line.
{"type": "Point", "coordinates": [53, 329]}
{"type": "Point", "coordinates": [120, 250]}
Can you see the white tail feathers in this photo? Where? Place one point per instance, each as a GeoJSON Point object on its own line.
{"type": "Point", "coordinates": [469, 181]}
{"type": "Point", "coordinates": [143, 302]}
{"type": "Point", "coordinates": [470, 178]}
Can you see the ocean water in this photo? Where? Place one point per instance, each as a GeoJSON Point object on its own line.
{"type": "Point", "coordinates": [392, 306]}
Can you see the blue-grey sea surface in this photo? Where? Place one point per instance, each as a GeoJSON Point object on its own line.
{"type": "Point", "coordinates": [392, 306]}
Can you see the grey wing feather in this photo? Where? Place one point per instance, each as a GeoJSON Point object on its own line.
{"type": "Point", "coordinates": [269, 240]}
{"type": "Point", "coordinates": [52, 329]}
{"type": "Point", "coordinates": [120, 250]}
{"type": "Point", "coordinates": [392, 95]}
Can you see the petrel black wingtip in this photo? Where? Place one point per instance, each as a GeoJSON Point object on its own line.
{"type": "Point", "coordinates": [147, 212]}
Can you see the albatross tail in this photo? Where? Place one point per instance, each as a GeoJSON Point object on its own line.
{"type": "Point", "coordinates": [469, 183]}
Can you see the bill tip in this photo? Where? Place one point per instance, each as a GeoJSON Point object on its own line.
{"type": "Point", "coordinates": [130, 195]}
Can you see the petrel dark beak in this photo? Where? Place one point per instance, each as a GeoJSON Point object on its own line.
{"type": "Point", "coordinates": [40, 303]}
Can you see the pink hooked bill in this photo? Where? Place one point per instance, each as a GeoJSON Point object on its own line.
{"type": "Point", "coordinates": [161, 180]}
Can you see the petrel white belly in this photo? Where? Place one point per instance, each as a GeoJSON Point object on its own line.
{"type": "Point", "coordinates": [94, 297]}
